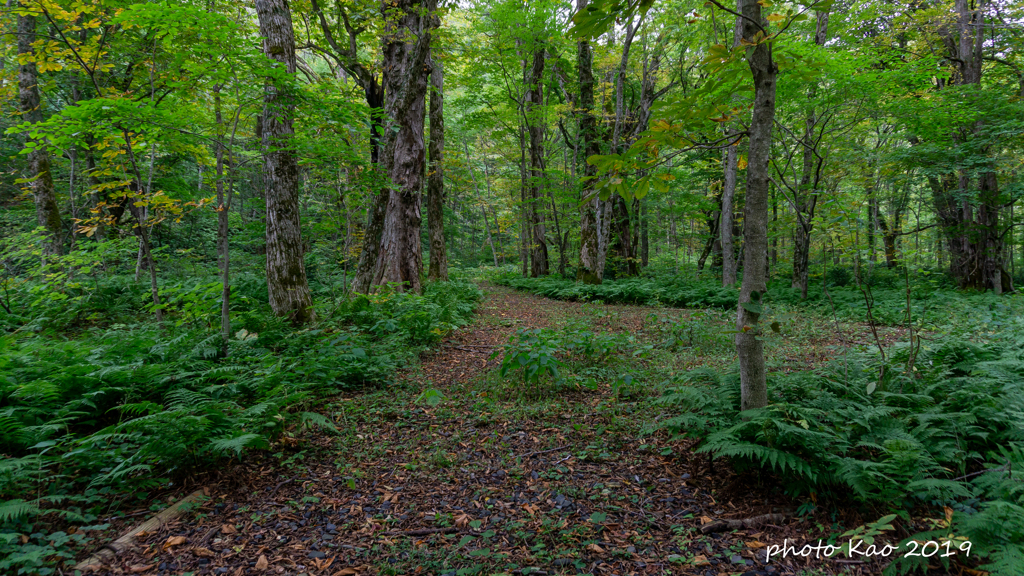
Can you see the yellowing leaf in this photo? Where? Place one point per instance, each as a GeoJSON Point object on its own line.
{"type": "Point", "coordinates": [776, 18]}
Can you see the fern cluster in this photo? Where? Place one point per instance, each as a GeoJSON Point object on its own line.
{"type": "Point", "coordinates": [666, 290]}
{"type": "Point", "coordinates": [918, 439]}
{"type": "Point", "coordinates": [121, 408]}
{"type": "Point", "coordinates": [929, 304]}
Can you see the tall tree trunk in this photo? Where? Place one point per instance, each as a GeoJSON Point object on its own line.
{"type": "Point", "coordinates": [435, 177]}
{"type": "Point", "coordinates": [525, 229]}
{"type": "Point", "coordinates": [969, 219]}
{"type": "Point", "coordinates": [729, 263]}
{"type": "Point", "coordinates": [399, 258]}
{"type": "Point", "coordinates": [806, 195]}
{"type": "Point", "coordinates": [534, 101]}
{"type": "Point", "coordinates": [589, 271]}
{"type": "Point", "coordinates": [483, 208]}
{"type": "Point", "coordinates": [223, 246]}
{"type": "Point", "coordinates": [286, 270]}
{"type": "Point", "coordinates": [44, 195]}
{"type": "Point", "coordinates": [645, 248]}
{"type": "Point", "coordinates": [749, 346]}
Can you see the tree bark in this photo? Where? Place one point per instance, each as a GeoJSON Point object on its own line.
{"type": "Point", "coordinates": [535, 127]}
{"type": "Point", "coordinates": [435, 176]}
{"type": "Point", "coordinates": [223, 246]}
{"type": "Point", "coordinates": [749, 347]}
{"type": "Point", "coordinates": [286, 270]}
{"type": "Point", "coordinates": [43, 193]}
{"type": "Point", "coordinates": [969, 219]}
{"type": "Point", "coordinates": [729, 263]}
{"type": "Point", "coordinates": [399, 258]}
{"type": "Point", "coordinates": [589, 270]}
{"type": "Point", "coordinates": [805, 197]}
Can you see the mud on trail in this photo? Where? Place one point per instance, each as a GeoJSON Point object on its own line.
{"type": "Point", "coordinates": [478, 483]}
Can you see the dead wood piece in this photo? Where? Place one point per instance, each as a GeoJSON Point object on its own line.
{"type": "Point", "coordinates": [727, 524]}
{"type": "Point", "coordinates": [421, 532]}
{"type": "Point", "coordinates": [278, 487]}
{"type": "Point", "coordinates": [108, 551]}
{"type": "Point", "coordinates": [530, 454]}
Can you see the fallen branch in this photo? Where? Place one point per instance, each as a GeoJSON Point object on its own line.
{"type": "Point", "coordinates": [421, 532]}
{"type": "Point", "coordinates": [118, 546]}
{"type": "Point", "coordinates": [278, 487]}
{"type": "Point", "coordinates": [727, 524]}
{"type": "Point", "coordinates": [530, 454]}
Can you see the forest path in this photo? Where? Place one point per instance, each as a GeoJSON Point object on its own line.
{"type": "Point", "coordinates": [474, 485]}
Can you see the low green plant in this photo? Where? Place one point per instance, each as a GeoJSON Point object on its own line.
{"type": "Point", "coordinates": [945, 435]}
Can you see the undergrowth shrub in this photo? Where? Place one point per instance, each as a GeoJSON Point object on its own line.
{"type": "Point", "coordinates": [931, 301]}
{"type": "Point", "coordinates": [667, 291]}
{"type": "Point", "coordinates": [546, 361]}
{"type": "Point", "coordinates": [122, 407]}
{"type": "Point", "coordinates": [944, 431]}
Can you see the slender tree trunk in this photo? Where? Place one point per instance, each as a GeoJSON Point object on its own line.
{"type": "Point", "coordinates": [525, 230]}
{"type": "Point", "coordinates": [806, 196]}
{"type": "Point", "coordinates": [590, 270]}
{"type": "Point", "coordinates": [483, 208]}
{"type": "Point", "coordinates": [223, 210]}
{"type": "Point", "coordinates": [44, 195]}
{"type": "Point", "coordinates": [286, 270]}
{"type": "Point", "coordinates": [535, 99]}
{"type": "Point", "coordinates": [645, 248]}
{"type": "Point", "coordinates": [749, 346]}
{"type": "Point", "coordinates": [729, 263]}
{"type": "Point", "coordinates": [435, 178]}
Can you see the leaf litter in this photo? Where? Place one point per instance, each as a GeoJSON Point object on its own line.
{"type": "Point", "coordinates": [472, 487]}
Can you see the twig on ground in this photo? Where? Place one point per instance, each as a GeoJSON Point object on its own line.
{"type": "Point", "coordinates": [531, 454]}
{"type": "Point", "coordinates": [278, 487]}
{"type": "Point", "coordinates": [719, 525]}
{"type": "Point", "coordinates": [421, 532]}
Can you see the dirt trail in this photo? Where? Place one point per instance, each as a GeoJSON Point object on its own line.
{"type": "Point", "coordinates": [473, 485]}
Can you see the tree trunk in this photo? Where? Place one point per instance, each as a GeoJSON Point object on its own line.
{"type": "Point", "coordinates": [286, 270]}
{"type": "Point", "coordinates": [729, 263]}
{"type": "Point", "coordinates": [749, 347]}
{"type": "Point", "coordinates": [43, 193]}
{"type": "Point", "coordinates": [223, 246]}
{"type": "Point", "coordinates": [805, 197]}
{"type": "Point", "coordinates": [589, 272]}
{"type": "Point", "coordinates": [645, 247]}
{"type": "Point", "coordinates": [399, 258]}
{"type": "Point", "coordinates": [970, 219]}
{"type": "Point", "coordinates": [623, 261]}
{"type": "Point", "coordinates": [435, 178]}
{"type": "Point", "coordinates": [535, 99]}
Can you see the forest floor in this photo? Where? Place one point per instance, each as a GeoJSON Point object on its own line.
{"type": "Point", "coordinates": [490, 482]}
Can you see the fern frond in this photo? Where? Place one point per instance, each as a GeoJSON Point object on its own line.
{"type": "Point", "coordinates": [17, 509]}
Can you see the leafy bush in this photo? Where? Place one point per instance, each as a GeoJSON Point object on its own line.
{"type": "Point", "coordinates": [550, 360]}
{"type": "Point", "coordinates": [947, 434]}
{"type": "Point", "coordinates": [123, 407]}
